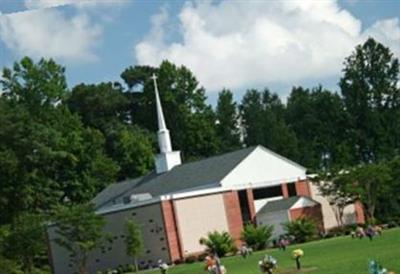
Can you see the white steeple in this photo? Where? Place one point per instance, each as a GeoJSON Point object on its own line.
{"type": "Point", "coordinates": [167, 158]}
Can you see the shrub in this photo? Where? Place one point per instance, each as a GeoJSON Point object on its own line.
{"type": "Point", "coordinates": [257, 237]}
{"type": "Point", "coordinates": [190, 259]}
{"type": "Point", "coordinates": [9, 266]}
{"type": "Point", "coordinates": [202, 257]}
{"type": "Point", "coordinates": [302, 229]}
{"type": "Point", "coordinates": [219, 242]}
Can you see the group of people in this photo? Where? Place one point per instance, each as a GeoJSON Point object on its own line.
{"type": "Point", "coordinates": [370, 232]}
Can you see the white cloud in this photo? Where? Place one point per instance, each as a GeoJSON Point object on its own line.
{"type": "Point", "coordinates": [235, 44]}
{"type": "Point", "coordinates": [50, 33]}
{"type": "Point", "coordinates": [40, 4]}
{"type": "Point", "coordinates": [46, 30]}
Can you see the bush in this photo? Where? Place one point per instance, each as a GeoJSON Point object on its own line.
{"type": "Point", "coordinates": [219, 242]}
{"type": "Point", "coordinates": [202, 257]}
{"type": "Point", "coordinates": [9, 266]}
{"type": "Point", "coordinates": [303, 229]}
{"type": "Point", "coordinates": [257, 237]}
{"type": "Point", "coordinates": [190, 259]}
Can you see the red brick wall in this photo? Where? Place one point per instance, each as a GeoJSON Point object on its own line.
{"type": "Point", "coordinates": [303, 188]}
{"type": "Point", "coordinates": [234, 216]}
{"type": "Point", "coordinates": [252, 208]}
{"type": "Point", "coordinates": [285, 192]}
{"type": "Point", "coordinates": [171, 230]}
{"type": "Point", "coordinates": [313, 212]}
{"type": "Point", "coordinates": [360, 217]}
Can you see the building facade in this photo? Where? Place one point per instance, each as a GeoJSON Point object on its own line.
{"type": "Point", "coordinates": [177, 204]}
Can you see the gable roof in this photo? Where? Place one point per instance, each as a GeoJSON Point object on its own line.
{"type": "Point", "coordinates": [193, 175]}
{"type": "Point", "coordinates": [278, 205]}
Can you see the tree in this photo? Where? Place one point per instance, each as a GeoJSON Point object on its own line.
{"type": "Point", "coordinates": [257, 237]}
{"type": "Point", "coordinates": [263, 120]}
{"type": "Point", "coordinates": [25, 242]}
{"type": "Point", "coordinates": [131, 148]}
{"type": "Point", "coordinates": [368, 183]}
{"type": "Point", "coordinates": [318, 119]}
{"type": "Point", "coordinates": [333, 190]}
{"type": "Point", "coordinates": [133, 241]}
{"type": "Point", "coordinates": [371, 95]}
{"type": "Point", "coordinates": [252, 113]}
{"type": "Point", "coordinates": [79, 230]}
{"type": "Point", "coordinates": [220, 243]}
{"type": "Point", "coordinates": [190, 120]}
{"type": "Point", "coordinates": [47, 156]}
{"type": "Point", "coordinates": [227, 122]}
{"type": "Point", "coordinates": [99, 105]}
{"type": "Point", "coordinates": [302, 229]}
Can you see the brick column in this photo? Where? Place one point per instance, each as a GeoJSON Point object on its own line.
{"type": "Point", "coordinates": [171, 230]}
{"type": "Point", "coordinates": [233, 215]}
{"type": "Point", "coordinates": [303, 188]}
{"type": "Point", "coordinates": [360, 217]}
{"type": "Point", "coordinates": [252, 209]}
{"type": "Point", "coordinates": [285, 192]}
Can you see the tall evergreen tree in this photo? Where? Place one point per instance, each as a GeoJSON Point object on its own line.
{"type": "Point", "coordinates": [371, 95]}
{"type": "Point", "coordinates": [252, 113]}
{"type": "Point", "coordinates": [227, 122]}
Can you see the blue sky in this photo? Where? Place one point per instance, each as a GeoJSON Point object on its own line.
{"type": "Point", "coordinates": [233, 44]}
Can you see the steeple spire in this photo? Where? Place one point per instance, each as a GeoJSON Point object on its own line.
{"type": "Point", "coordinates": [160, 115]}
{"type": "Point", "coordinates": [167, 158]}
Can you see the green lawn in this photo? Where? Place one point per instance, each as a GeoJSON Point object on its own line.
{"type": "Point", "coordinates": [341, 255]}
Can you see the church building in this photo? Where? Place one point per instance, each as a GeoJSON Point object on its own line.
{"type": "Point", "coordinates": [177, 204]}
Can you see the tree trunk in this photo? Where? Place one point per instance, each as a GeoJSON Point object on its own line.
{"type": "Point", "coordinates": [136, 265]}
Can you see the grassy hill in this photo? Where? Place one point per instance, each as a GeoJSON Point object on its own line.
{"type": "Point", "coordinates": [342, 255]}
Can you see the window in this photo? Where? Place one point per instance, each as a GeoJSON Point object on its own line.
{"type": "Point", "coordinates": [267, 192]}
{"type": "Point", "coordinates": [291, 189]}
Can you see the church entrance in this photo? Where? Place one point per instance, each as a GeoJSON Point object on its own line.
{"type": "Point", "coordinates": [244, 207]}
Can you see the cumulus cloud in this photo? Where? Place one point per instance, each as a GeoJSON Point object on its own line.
{"type": "Point", "coordinates": [50, 33]}
{"type": "Point", "coordinates": [40, 4]}
{"type": "Point", "coordinates": [45, 30]}
{"type": "Point", "coordinates": [233, 44]}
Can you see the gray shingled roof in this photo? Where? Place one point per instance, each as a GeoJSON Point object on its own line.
{"type": "Point", "coordinates": [194, 175]}
{"type": "Point", "coordinates": [278, 205]}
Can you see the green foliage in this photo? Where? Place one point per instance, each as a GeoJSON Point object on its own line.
{"type": "Point", "coordinates": [9, 266]}
{"type": "Point", "coordinates": [302, 229]}
{"type": "Point", "coordinates": [26, 243]}
{"type": "Point", "coordinates": [131, 148]}
{"type": "Point", "coordinates": [79, 230]}
{"type": "Point", "coordinates": [190, 120]}
{"type": "Point", "coordinates": [227, 122]}
{"type": "Point", "coordinates": [263, 122]}
{"type": "Point", "coordinates": [99, 105]}
{"type": "Point", "coordinates": [134, 241]}
{"type": "Point", "coordinates": [372, 98]}
{"type": "Point", "coordinates": [317, 117]}
{"type": "Point", "coordinates": [219, 242]}
{"type": "Point", "coordinates": [257, 237]}
{"type": "Point", "coordinates": [47, 156]}
{"type": "Point", "coordinates": [367, 183]}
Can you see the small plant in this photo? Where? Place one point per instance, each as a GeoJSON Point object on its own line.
{"type": "Point", "coordinates": [220, 243]}
{"type": "Point", "coordinates": [257, 237]}
{"type": "Point", "coordinates": [268, 264]}
{"type": "Point", "coordinates": [297, 254]}
{"type": "Point", "coordinates": [133, 241]}
{"type": "Point", "coordinates": [302, 229]}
